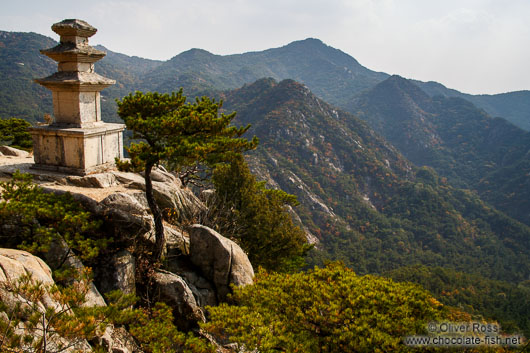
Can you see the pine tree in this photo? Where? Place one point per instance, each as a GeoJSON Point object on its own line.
{"type": "Point", "coordinates": [179, 135]}
{"type": "Point", "coordinates": [14, 132]}
{"type": "Point", "coordinates": [327, 309]}
{"type": "Point", "coordinates": [257, 218]}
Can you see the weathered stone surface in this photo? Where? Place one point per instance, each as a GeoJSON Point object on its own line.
{"type": "Point", "coordinates": [78, 141]}
{"type": "Point", "coordinates": [101, 180]}
{"type": "Point", "coordinates": [206, 195]}
{"type": "Point", "coordinates": [140, 197]}
{"type": "Point", "coordinates": [167, 191]}
{"type": "Point", "coordinates": [172, 197]}
{"type": "Point", "coordinates": [124, 202]}
{"type": "Point", "coordinates": [11, 151]}
{"type": "Point", "coordinates": [136, 180]}
{"type": "Point", "coordinates": [60, 254]}
{"type": "Point", "coordinates": [164, 194]}
{"type": "Point", "coordinates": [117, 340]}
{"type": "Point", "coordinates": [73, 27]}
{"type": "Point", "coordinates": [125, 218]}
{"type": "Point", "coordinates": [128, 179]}
{"type": "Point", "coordinates": [182, 200]}
{"type": "Point", "coordinates": [77, 150]}
{"type": "Point", "coordinates": [125, 266]}
{"type": "Point", "coordinates": [174, 291]}
{"type": "Point", "coordinates": [119, 223]}
{"type": "Point", "coordinates": [118, 273]}
{"type": "Point", "coordinates": [129, 226]}
{"type": "Point", "coordinates": [221, 260]}
{"type": "Point", "coordinates": [88, 203]}
{"type": "Point", "coordinates": [176, 242]}
{"type": "Point", "coordinates": [161, 175]}
{"type": "Point", "coordinates": [13, 265]}
{"type": "Point", "coordinates": [201, 288]}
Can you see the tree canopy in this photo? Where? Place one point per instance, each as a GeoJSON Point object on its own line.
{"type": "Point", "coordinates": [257, 218]}
{"type": "Point", "coordinates": [177, 133]}
{"type": "Point", "coordinates": [14, 132]}
{"type": "Point", "coordinates": [324, 310]}
{"type": "Point", "coordinates": [180, 135]}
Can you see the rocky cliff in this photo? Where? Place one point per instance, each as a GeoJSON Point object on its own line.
{"type": "Point", "coordinates": [199, 264]}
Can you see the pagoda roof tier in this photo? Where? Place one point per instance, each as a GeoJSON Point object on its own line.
{"type": "Point", "coordinates": [74, 27]}
{"type": "Point", "coordinates": [86, 81]}
{"type": "Point", "coordinates": [70, 52]}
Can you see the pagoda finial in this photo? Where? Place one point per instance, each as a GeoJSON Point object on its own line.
{"type": "Point", "coordinates": [73, 27]}
{"type": "Point", "coordinates": [73, 46]}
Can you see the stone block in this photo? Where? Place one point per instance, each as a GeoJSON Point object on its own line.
{"type": "Point", "coordinates": [75, 150]}
{"type": "Point", "coordinates": [76, 109]}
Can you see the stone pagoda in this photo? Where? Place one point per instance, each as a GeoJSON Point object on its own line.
{"type": "Point", "coordinates": [78, 141]}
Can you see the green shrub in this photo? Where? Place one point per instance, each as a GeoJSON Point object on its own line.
{"type": "Point", "coordinates": [154, 330]}
{"type": "Point", "coordinates": [257, 218]}
{"type": "Point", "coordinates": [31, 219]}
{"type": "Point", "coordinates": [324, 310]}
{"type": "Point", "coordinates": [14, 132]}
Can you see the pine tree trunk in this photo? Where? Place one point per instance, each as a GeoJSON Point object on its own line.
{"type": "Point", "coordinates": [160, 239]}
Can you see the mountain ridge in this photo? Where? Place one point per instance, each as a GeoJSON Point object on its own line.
{"type": "Point", "coordinates": [460, 141]}
{"type": "Point", "coordinates": [367, 204]}
{"type": "Point", "coordinates": [362, 199]}
{"type": "Point", "coordinates": [346, 170]}
{"type": "Point", "coordinates": [295, 60]}
{"type": "Point", "coordinates": [330, 73]}
{"type": "Point", "coordinates": [513, 106]}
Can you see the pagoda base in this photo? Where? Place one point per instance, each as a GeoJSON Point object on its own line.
{"type": "Point", "coordinates": [78, 151]}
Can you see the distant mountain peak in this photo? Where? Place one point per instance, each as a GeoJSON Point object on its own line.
{"type": "Point", "coordinates": [292, 84]}
{"type": "Point", "coordinates": [260, 85]}
{"type": "Point", "coordinates": [320, 46]}
{"type": "Point", "coordinates": [397, 85]}
{"type": "Point", "coordinates": [311, 39]}
{"type": "Point", "coordinates": [197, 51]}
{"type": "Point", "coordinates": [193, 53]}
{"type": "Point", "coordinates": [267, 81]}
{"type": "Point", "coordinates": [308, 41]}
{"type": "Point", "coordinates": [398, 80]}
{"type": "Point", "coordinates": [270, 89]}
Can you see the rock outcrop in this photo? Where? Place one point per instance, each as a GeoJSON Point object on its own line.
{"type": "Point", "coordinates": [11, 151]}
{"type": "Point", "coordinates": [126, 203]}
{"type": "Point", "coordinates": [60, 254]}
{"type": "Point", "coordinates": [199, 264]}
{"type": "Point", "coordinates": [16, 263]}
{"type": "Point", "coordinates": [203, 260]}
{"type": "Point", "coordinates": [174, 291]}
{"type": "Point", "coordinates": [221, 260]}
{"type": "Point", "coordinates": [118, 273]}
{"type": "Point", "coordinates": [101, 180]}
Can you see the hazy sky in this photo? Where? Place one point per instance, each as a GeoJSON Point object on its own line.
{"type": "Point", "coordinates": [475, 46]}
